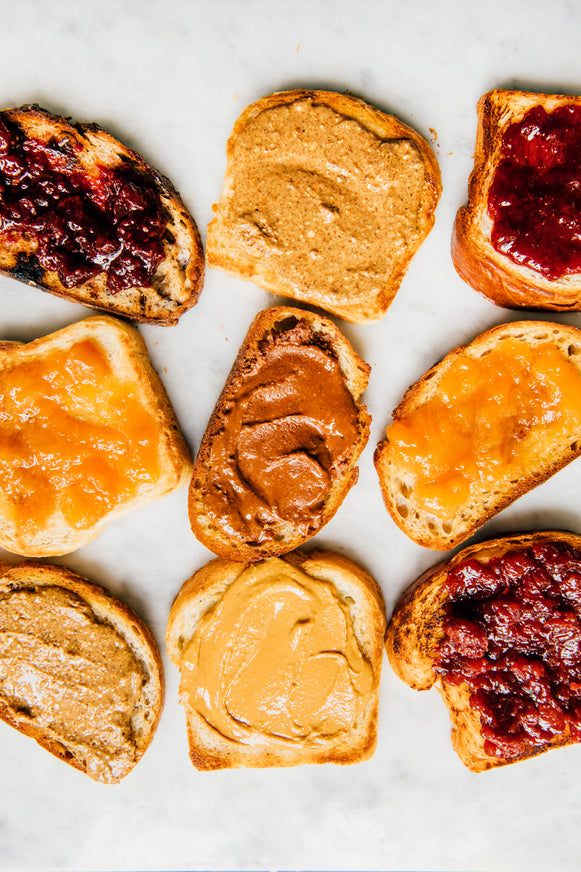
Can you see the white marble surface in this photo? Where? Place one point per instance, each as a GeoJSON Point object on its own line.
{"type": "Point", "coordinates": [170, 78]}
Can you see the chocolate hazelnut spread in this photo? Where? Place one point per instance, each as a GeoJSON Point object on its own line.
{"type": "Point", "coordinates": [275, 660]}
{"type": "Point", "coordinates": [322, 201]}
{"type": "Point", "coordinates": [287, 429]}
{"type": "Point", "coordinates": [72, 675]}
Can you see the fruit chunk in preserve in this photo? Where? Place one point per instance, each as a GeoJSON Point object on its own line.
{"type": "Point", "coordinates": [512, 634]}
{"type": "Point", "coordinates": [535, 196]}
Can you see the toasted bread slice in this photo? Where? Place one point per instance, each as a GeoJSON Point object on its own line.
{"type": "Point", "coordinates": [280, 450]}
{"type": "Point", "coordinates": [418, 631]}
{"type": "Point", "coordinates": [88, 434]}
{"type": "Point", "coordinates": [509, 273]}
{"type": "Point", "coordinates": [325, 200]}
{"type": "Point", "coordinates": [80, 672]}
{"type": "Point", "coordinates": [488, 423]}
{"type": "Point", "coordinates": [86, 218]}
{"type": "Point", "coordinates": [280, 661]}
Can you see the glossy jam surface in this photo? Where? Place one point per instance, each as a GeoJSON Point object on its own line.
{"type": "Point", "coordinates": [513, 634]}
{"type": "Point", "coordinates": [75, 439]}
{"type": "Point", "coordinates": [82, 224]}
{"type": "Point", "coordinates": [485, 421]}
{"type": "Point", "coordinates": [535, 197]}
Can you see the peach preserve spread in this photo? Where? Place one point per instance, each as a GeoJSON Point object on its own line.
{"type": "Point", "coordinates": [535, 197]}
{"type": "Point", "coordinates": [287, 430]}
{"type": "Point", "coordinates": [512, 634]}
{"type": "Point", "coordinates": [275, 660]}
{"type": "Point", "coordinates": [76, 440]}
{"type": "Point", "coordinates": [82, 223]}
{"type": "Point", "coordinates": [490, 417]}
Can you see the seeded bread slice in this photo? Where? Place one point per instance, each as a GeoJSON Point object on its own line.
{"type": "Point", "coordinates": [477, 261]}
{"type": "Point", "coordinates": [416, 629]}
{"type": "Point", "coordinates": [30, 708]}
{"type": "Point", "coordinates": [547, 458]}
{"type": "Point", "coordinates": [333, 220]}
{"type": "Point", "coordinates": [86, 149]}
{"type": "Point", "coordinates": [210, 749]}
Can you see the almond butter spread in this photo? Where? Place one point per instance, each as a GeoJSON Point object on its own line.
{"type": "Point", "coordinates": [322, 202]}
{"type": "Point", "coordinates": [71, 675]}
{"type": "Point", "coordinates": [275, 660]}
{"type": "Point", "coordinates": [491, 417]}
{"type": "Point", "coordinates": [287, 430]}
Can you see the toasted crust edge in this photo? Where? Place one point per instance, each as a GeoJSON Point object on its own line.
{"type": "Point", "coordinates": [127, 623]}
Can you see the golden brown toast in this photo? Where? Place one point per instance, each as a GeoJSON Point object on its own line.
{"type": "Point", "coordinates": [280, 450]}
{"type": "Point", "coordinates": [80, 672]}
{"type": "Point", "coordinates": [419, 630]}
{"type": "Point", "coordinates": [280, 661]}
{"type": "Point", "coordinates": [325, 200]}
{"type": "Point", "coordinates": [516, 281]}
{"type": "Point", "coordinates": [86, 218]}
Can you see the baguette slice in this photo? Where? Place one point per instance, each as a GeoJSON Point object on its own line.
{"type": "Point", "coordinates": [277, 459]}
{"type": "Point", "coordinates": [416, 629]}
{"type": "Point", "coordinates": [491, 272]}
{"type": "Point", "coordinates": [88, 435]}
{"type": "Point", "coordinates": [535, 452]}
{"type": "Point", "coordinates": [216, 738]}
{"type": "Point", "coordinates": [80, 672]}
{"type": "Point", "coordinates": [325, 200]}
{"type": "Point", "coordinates": [87, 152]}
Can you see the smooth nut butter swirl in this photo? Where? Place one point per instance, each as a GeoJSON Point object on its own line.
{"type": "Point", "coordinates": [276, 660]}
{"type": "Point", "coordinates": [287, 431]}
{"type": "Point", "coordinates": [492, 415]}
{"type": "Point", "coordinates": [71, 675]}
{"type": "Point", "coordinates": [75, 438]}
{"type": "Point", "coordinates": [319, 199]}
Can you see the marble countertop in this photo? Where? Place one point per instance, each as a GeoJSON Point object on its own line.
{"type": "Point", "coordinates": [169, 77]}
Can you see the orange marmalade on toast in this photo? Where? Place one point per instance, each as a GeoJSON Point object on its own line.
{"type": "Point", "coordinates": [491, 421]}
{"type": "Point", "coordinates": [76, 438]}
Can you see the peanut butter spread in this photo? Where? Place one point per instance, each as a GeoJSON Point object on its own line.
{"type": "Point", "coordinates": [276, 660]}
{"type": "Point", "coordinates": [287, 430]}
{"type": "Point", "coordinates": [323, 203]}
{"type": "Point", "coordinates": [70, 675]}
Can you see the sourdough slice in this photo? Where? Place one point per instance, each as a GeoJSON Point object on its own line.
{"type": "Point", "coordinates": [416, 629]}
{"type": "Point", "coordinates": [88, 435]}
{"type": "Point", "coordinates": [491, 272]}
{"type": "Point", "coordinates": [325, 200]}
{"type": "Point", "coordinates": [278, 624]}
{"type": "Point", "coordinates": [84, 154]}
{"type": "Point", "coordinates": [280, 450]}
{"type": "Point", "coordinates": [541, 452]}
{"type": "Point", "coordinates": [80, 672]}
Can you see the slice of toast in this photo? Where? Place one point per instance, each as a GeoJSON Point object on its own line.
{"type": "Point", "coordinates": [280, 661]}
{"type": "Point", "coordinates": [325, 200]}
{"type": "Point", "coordinates": [88, 435]}
{"type": "Point", "coordinates": [280, 450]}
{"type": "Point", "coordinates": [418, 633]}
{"type": "Point", "coordinates": [80, 672]}
{"type": "Point", "coordinates": [517, 274]}
{"type": "Point", "coordinates": [485, 437]}
{"type": "Point", "coordinates": [86, 218]}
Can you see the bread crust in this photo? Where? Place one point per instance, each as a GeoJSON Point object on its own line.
{"type": "Point", "coordinates": [416, 628]}
{"type": "Point", "coordinates": [476, 260]}
{"type": "Point", "coordinates": [286, 537]}
{"type": "Point", "coordinates": [126, 350]}
{"type": "Point", "coordinates": [210, 750]}
{"type": "Point", "coordinates": [222, 254]}
{"type": "Point", "coordinates": [442, 535]}
{"type": "Point", "coordinates": [178, 281]}
{"type": "Point", "coordinates": [109, 610]}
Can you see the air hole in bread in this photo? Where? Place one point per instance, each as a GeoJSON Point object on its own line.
{"type": "Point", "coordinates": [574, 446]}
{"type": "Point", "coordinates": [573, 349]}
{"type": "Point", "coordinates": [447, 528]}
{"type": "Point", "coordinates": [540, 336]}
{"type": "Point", "coordinates": [349, 600]}
{"type": "Point", "coordinates": [402, 510]}
{"type": "Point", "coordinates": [405, 490]}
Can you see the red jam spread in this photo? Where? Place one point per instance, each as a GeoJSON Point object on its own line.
{"type": "Point", "coordinates": [535, 197]}
{"type": "Point", "coordinates": [513, 635]}
{"type": "Point", "coordinates": [82, 223]}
